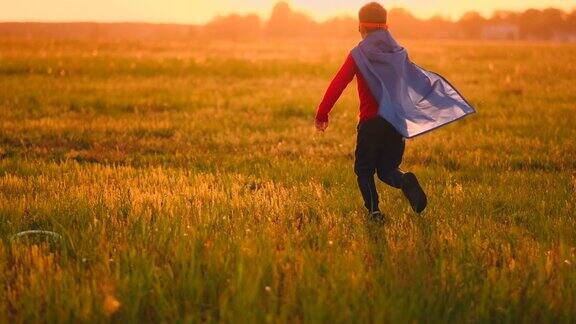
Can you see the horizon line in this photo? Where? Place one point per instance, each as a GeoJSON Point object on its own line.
{"type": "Point", "coordinates": [266, 17]}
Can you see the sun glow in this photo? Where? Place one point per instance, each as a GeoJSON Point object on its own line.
{"type": "Point", "coordinates": [201, 11]}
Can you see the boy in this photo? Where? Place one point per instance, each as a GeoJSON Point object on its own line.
{"type": "Point", "coordinates": [397, 100]}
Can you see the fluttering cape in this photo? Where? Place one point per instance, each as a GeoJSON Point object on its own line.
{"type": "Point", "coordinates": [415, 101]}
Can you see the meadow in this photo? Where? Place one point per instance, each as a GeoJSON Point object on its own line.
{"type": "Point", "coordinates": [188, 184]}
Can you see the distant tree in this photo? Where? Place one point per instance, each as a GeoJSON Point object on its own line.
{"type": "Point", "coordinates": [554, 21]}
{"type": "Point", "coordinates": [438, 27]}
{"type": "Point", "coordinates": [286, 23]}
{"type": "Point", "coordinates": [194, 32]}
{"type": "Point", "coordinates": [339, 27]}
{"type": "Point", "coordinates": [404, 24]}
{"type": "Point", "coordinates": [571, 21]}
{"type": "Point", "coordinates": [471, 24]}
{"type": "Point", "coordinates": [234, 27]}
{"type": "Point", "coordinates": [504, 16]}
{"type": "Point", "coordinates": [531, 24]}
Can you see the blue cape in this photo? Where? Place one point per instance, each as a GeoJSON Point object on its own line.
{"type": "Point", "coordinates": [413, 100]}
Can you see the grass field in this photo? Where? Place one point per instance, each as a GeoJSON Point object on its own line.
{"type": "Point", "coordinates": [188, 185]}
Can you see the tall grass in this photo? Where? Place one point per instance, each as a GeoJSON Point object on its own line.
{"type": "Point", "coordinates": [188, 185]}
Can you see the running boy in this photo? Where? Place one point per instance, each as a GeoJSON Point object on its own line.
{"type": "Point", "coordinates": [398, 100]}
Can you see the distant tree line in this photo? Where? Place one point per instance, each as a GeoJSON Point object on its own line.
{"type": "Point", "coordinates": [531, 24]}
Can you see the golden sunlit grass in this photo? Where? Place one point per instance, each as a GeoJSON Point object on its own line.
{"type": "Point", "coordinates": [188, 184]}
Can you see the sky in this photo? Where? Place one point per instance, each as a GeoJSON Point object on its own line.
{"type": "Point", "coordinates": [201, 11]}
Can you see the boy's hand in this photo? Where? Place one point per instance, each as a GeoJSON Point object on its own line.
{"type": "Point", "coordinates": [321, 125]}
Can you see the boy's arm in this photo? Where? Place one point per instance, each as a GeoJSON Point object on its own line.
{"type": "Point", "coordinates": [344, 76]}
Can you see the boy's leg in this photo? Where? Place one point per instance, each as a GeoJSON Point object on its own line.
{"type": "Point", "coordinates": [365, 164]}
{"type": "Point", "coordinates": [390, 173]}
{"type": "Point", "coordinates": [369, 193]}
{"type": "Point", "coordinates": [414, 192]}
{"type": "Point", "coordinates": [392, 178]}
{"type": "Point", "coordinates": [391, 153]}
{"type": "Point", "coordinates": [390, 157]}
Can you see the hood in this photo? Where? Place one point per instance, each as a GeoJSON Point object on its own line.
{"type": "Point", "coordinates": [380, 46]}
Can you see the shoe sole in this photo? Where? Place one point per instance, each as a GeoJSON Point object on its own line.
{"type": "Point", "coordinates": [414, 193]}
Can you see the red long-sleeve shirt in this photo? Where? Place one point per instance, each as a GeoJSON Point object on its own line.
{"type": "Point", "coordinates": [368, 104]}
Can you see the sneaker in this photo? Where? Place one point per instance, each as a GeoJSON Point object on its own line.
{"type": "Point", "coordinates": [414, 193]}
{"type": "Point", "coordinates": [377, 216]}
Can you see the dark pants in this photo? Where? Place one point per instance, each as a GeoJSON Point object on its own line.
{"type": "Point", "coordinates": [379, 149]}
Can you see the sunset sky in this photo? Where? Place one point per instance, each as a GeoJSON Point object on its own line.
{"type": "Point", "coordinates": [200, 11]}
